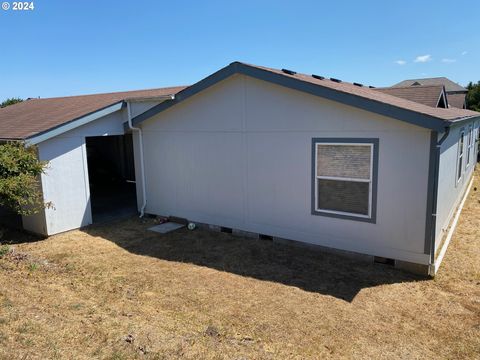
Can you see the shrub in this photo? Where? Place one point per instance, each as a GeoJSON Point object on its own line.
{"type": "Point", "coordinates": [19, 172]}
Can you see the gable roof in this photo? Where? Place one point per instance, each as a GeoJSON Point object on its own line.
{"type": "Point", "coordinates": [429, 95]}
{"type": "Point", "coordinates": [332, 89]}
{"type": "Point", "coordinates": [31, 117]}
{"type": "Point", "coordinates": [449, 84]}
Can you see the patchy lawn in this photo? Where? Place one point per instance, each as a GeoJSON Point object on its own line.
{"type": "Point", "coordinates": [120, 292]}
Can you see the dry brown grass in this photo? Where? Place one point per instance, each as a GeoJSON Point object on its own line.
{"type": "Point", "coordinates": [119, 292]}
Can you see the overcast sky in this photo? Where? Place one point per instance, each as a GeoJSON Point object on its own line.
{"type": "Point", "coordinates": [75, 47]}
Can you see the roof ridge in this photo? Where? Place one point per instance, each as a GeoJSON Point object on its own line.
{"type": "Point", "coordinates": [425, 78]}
{"type": "Point", "coordinates": [110, 93]}
{"type": "Point", "coordinates": [408, 87]}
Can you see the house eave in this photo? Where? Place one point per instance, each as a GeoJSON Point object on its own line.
{"type": "Point", "coordinates": [463, 120]}
{"type": "Point", "coordinates": [409, 116]}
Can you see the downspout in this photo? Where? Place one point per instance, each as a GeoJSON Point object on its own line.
{"type": "Point", "coordinates": [435, 194]}
{"type": "Point", "coordinates": [140, 140]}
{"type": "Point", "coordinates": [142, 165]}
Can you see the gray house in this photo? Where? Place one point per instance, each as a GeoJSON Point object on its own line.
{"type": "Point", "coordinates": [264, 151]}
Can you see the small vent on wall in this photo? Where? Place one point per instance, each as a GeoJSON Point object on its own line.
{"type": "Point", "coordinates": [226, 230]}
{"type": "Point", "coordinates": [383, 261]}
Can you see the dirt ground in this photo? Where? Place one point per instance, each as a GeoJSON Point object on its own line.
{"type": "Point", "coordinates": [118, 291]}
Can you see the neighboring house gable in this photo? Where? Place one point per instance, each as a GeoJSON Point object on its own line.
{"type": "Point", "coordinates": [449, 84]}
{"type": "Point", "coordinates": [430, 95]}
{"type": "Point", "coordinates": [455, 93]}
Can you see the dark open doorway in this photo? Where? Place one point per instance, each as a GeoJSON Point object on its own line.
{"type": "Point", "coordinates": [111, 175]}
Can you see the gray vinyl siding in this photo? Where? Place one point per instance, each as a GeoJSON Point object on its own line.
{"type": "Point", "coordinates": [450, 190]}
{"type": "Point", "coordinates": [239, 155]}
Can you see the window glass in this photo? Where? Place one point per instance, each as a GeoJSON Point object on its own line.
{"type": "Point", "coordinates": [345, 196]}
{"type": "Point", "coordinates": [347, 161]}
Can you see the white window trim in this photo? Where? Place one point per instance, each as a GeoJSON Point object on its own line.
{"type": "Point", "coordinates": [476, 140]}
{"type": "Point", "coordinates": [370, 181]}
{"type": "Point", "coordinates": [460, 154]}
{"type": "Point", "coordinates": [469, 146]}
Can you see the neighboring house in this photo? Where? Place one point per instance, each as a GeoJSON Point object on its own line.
{"type": "Point", "coordinates": [430, 95]}
{"type": "Point", "coordinates": [259, 150]}
{"type": "Point", "coordinates": [455, 93]}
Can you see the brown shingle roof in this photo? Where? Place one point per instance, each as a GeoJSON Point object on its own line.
{"type": "Point", "coordinates": [427, 95]}
{"type": "Point", "coordinates": [456, 100]}
{"type": "Point", "coordinates": [449, 84]}
{"type": "Point", "coordinates": [31, 117]}
{"type": "Point", "coordinates": [372, 94]}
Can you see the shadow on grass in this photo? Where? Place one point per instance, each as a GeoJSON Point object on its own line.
{"type": "Point", "coordinates": [12, 236]}
{"type": "Point", "coordinates": [11, 230]}
{"type": "Point", "coordinates": [308, 269]}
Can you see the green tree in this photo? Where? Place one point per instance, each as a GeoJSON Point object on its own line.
{"type": "Point", "coordinates": [473, 96]}
{"type": "Point", "coordinates": [19, 171]}
{"type": "Point", "coordinates": [10, 101]}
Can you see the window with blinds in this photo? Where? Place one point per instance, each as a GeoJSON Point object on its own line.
{"type": "Point", "coordinates": [343, 178]}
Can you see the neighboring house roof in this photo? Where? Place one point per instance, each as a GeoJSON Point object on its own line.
{"type": "Point", "coordinates": [34, 116]}
{"type": "Point", "coordinates": [429, 95]}
{"type": "Point", "coordinates": [449, 84]}
{"type": "Point", "coordinates": [350, 94]}
{"type": "Point", "coordinates": [456, 100]}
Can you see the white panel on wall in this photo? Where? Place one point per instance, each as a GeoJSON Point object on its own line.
{"type": "Point", "coordinates": [65, 184]}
